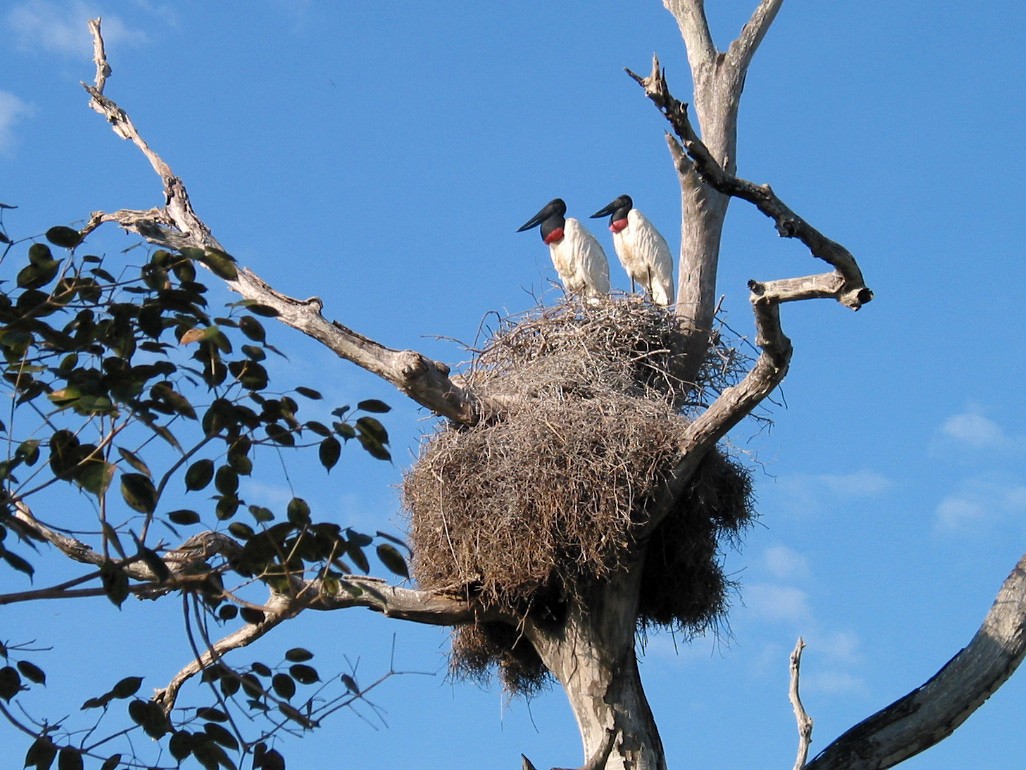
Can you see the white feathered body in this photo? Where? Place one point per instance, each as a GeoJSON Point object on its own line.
{"type": "Point", "coordinates": [580, 261]}
{"type": "Point", "coordinates": [646, 257]}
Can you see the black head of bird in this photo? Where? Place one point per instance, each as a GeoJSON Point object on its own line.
{"type": "Point", "coordinates": [552, 220]}
{"type": "Point", "coordinates": [616, 211]}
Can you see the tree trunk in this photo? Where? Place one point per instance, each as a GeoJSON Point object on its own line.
{"type": "Point", "coordinates": [592, 655]}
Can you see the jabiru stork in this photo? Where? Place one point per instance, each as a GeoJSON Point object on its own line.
{"type": "Point", "coordinates": [576, 254]}
{"type": "Point", "coordinates": [642, 250]}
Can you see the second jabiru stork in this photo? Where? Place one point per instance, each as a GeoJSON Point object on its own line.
{"type": "Point", "coordinates": [642, 250]}
{"type": "Point", "coordinates": [576, 254]}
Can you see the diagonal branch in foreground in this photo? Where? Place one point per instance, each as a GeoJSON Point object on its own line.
{"type": "Point", "coordinates": [177, 226]}
{"type": "Point", "coordinates": [934, 710]}
{"type": "Point", "coordinates": [417, 606]}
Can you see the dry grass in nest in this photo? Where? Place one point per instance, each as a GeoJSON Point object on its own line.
{"type": "Point", "coordinates": [532, 509]}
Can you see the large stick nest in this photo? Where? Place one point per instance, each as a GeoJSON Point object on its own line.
{"type": "Point", "coordinates": [531, 510]}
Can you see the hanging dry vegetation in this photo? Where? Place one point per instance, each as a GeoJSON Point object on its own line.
{"type": "Point", "coordinates": [528, 510]}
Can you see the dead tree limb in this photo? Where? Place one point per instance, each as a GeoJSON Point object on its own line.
{"type": "Point", "coordinates": [935, 709]}
{"type": "Point", "coordinates": [801, 716]}
{"type": "Point", "coordinates": [176, 226]}
{"type": "Point", "coordinates": [719, 79]}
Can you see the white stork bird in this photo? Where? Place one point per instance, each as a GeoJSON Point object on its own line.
{"type": "Point", "coordinates": [642, 250]}
{"type": "Point", "coordinates": [576, 255]}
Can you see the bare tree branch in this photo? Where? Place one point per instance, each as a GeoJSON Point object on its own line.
{"type": "Point", "coordinates": [800, 715]}
{"type": "Point", "coordinates": [741, 51]}
{"type": "Point", "coordinates": [853, 293]}
{"type": "Point", "coordinates": [932, 711]}
{"type": "Point", "coordinates": [694, 28]}
{"type": "Point", "coordinates": [279, 608]}
{"type": "Point", "coordinates": [176, 225]}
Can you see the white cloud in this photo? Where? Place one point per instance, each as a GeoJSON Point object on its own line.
{"type": "Point", "coordinates": [836, 646]}
{"type": "Point", "coordinates": [811, 492]}
{"type": "Point", "coordinates": [969, 434]}
{"type": "Point", "coordinates": [768, 601]}
{"type": "Point", "coordinates": [12, 109]}
{"type": "Point", "coordinates": [974, 430]}
{"type": "Point", "coordinates": [831, 682]}
{"type": "Point", "coordinates": [982, 501]}
{"type": "Point", "coordinates": [784, 563]}
{"type": "Point", "coordinates": [61, 28]}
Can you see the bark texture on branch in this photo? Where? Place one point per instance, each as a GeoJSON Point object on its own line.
{"type": "Point", "coordinates": [932, 711]}
{"type": "Point", "coordinates": [719, 80]}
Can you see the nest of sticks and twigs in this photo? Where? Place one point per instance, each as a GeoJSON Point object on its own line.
{"type": "Point", "coordinates": [534, 509]}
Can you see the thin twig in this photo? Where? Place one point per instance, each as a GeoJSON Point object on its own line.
{"type": "Point", "coordinates": [801, 716]}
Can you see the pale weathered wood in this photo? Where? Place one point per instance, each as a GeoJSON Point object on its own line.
{"type": "Point", "coordinates": [801, 716]}
{"type": "Point", "coordinates": [933, 710]}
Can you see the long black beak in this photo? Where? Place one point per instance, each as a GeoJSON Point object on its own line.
{"type": "Point", "coordinates": [619, 203]}
{"type": "Point", "coordinates": [552, 207]}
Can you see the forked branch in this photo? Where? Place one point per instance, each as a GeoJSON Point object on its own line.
{"type": "Point", "coordinates": [852, 292]}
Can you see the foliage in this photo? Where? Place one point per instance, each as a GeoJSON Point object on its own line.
{"type": "Point", "coordinates": [126, 390]}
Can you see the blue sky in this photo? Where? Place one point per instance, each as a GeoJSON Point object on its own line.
{"type": "Point", "coordinates": [382, 156]}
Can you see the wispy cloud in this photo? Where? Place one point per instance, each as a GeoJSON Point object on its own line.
{"type": "Point", "coordinates": [971, 432]}
{"type": "Point", "coordinates": [783, 563]}
{"type": "Point", "coordinates": [811, 492]}
{"type": "Point", "coordinates": [778, 603]}
{"type": "Point", "coordinates": [61, 27]}
{"type": "Point", "coordinates": [981, 502]}
{"type": "Point", "coordinates": [12, 109]}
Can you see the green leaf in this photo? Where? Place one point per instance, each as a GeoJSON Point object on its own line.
{"type": "Point", "coordinates": [304, 674]}
{"type": "Point", "coordinates": [139, 492]}
{"type": "Point", "coordinates": [261, 514]}
{"type": "Point", "coordinates": [18, 563]}
{"type": "Point", "coordinates": [65, 237]}
{"type": "Point", "coordinates": [180, 745]}
{"type": "Point", "coordinates": [112, 762]}
{"type": "Point", "coordinates": [36, 276]}
{"type": "Point", "coordinates": [41, 753]}
{"type": "Point", "coordinates": [220, 735]}
{"type": "Point", "coordinates": [226, 481]}
{"type": "Point", "coordinates": [252, 616]}
{"type": "Point", "coordinates": [257, 309]}
{"type": "Point", "coordinates": [150, 717]}
{"type": "Point", "coordinates": [40, 254]}
{"type": "Point", "coordinates": [10, 682]}
{"type": "Point", "coordinates": [393, 560]}
{"type": "Point", "coordinates": [241, 530]}
{"type": "Point", "coordinates": [329, 452]}
{"type": "Point", "coordinates": [298, 511]}
{"type": "Point", "coordinates": [152, 560]}
{"type": "Point", "coordinates": [309, 393]}
{"type": "Point", "coordinates": [183, 517]}
{"type": "Point", "coordinates": [135, 461]}
{"type": "Point", "coordinates": [115, 582]}
{"type": "Point", "coordinates": [298, 655]}
{"type": "Point", "coordinates": [284, 686]}
{"type": "Point", "coordinates": [199, 474]}
{"type": "Point", "coordinates": [221, 264]}
{"type": "Point", "coordinates": [373, 405]}
{"type": "Point", "coordinates": [96, 476]}
{"type": "Point", "coordinates": [279, 435]}
{"type": "Point", "coordinates": [127, 687]}
{"type": "Point", "coordinates": [32, 672]}
{"type": "Point", "coordinates": [211, 714]}
{"type": "Point", "coordinates": [69, 759]}
{"type": "Point", "coordinates": [252, 328]}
